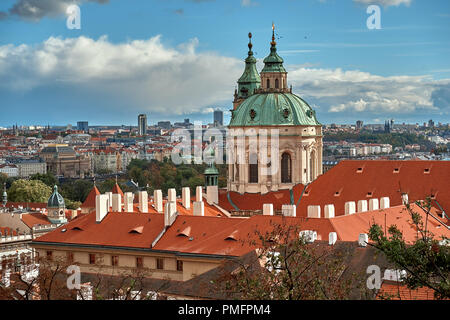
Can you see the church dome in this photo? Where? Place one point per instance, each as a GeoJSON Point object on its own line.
{"type": "Point", "coordinates": [56, 200]}
{"type": "Point", "coordinates": [273, 109]}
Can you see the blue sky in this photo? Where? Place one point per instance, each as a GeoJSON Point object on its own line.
{"type": "Point", "coordinates": [176, 59]}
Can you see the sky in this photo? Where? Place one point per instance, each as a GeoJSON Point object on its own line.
{"type": "Point", "coordinates": [177, 59]}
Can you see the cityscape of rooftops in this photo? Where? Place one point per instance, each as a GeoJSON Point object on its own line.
{"type": "Point", "coordinates": [224, 150]}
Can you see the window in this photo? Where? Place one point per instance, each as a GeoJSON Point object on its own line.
{"type": "Point", "coordinates": [115, 261]}
{"type": "Point", "coordinates": [139, 262]}
{"type": "Point", "coordinates": [268, 83]}
{"type": "Point", "coordinates": [179, 265]}
{"type": "Point", "coordinates": [91, 258]}
{"type": "Point", "coordinates": [276, 84]}
{"type": "Point", "coordinates": [70, 257]}
{"type": "Point", "coordinates": [286, 168]}
{"type": "Point", "coordinates": [50, 255]}
{"type": "Point", "coordinates": [160, 263]}
{"type": "Point", "coordinates": [253, 169]}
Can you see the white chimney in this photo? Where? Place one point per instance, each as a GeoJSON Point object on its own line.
{"type": "Point", "coordinates": [384, 203]}
{"type": "Point", "coordinates": [373, 204]}
{"type": "Point", "coordinates": [158, 200]}
{"type": "Point", "coordinates": [199, 193]}
{"type": "Point", "coordinates": [101, 207]}
{"type": "Point", "coordinates": [172, 195]}
{"type": "Point", "coordinates": [268, 209]}
{"type": "Point", "coordinates": [109, 194]}
{"type": "Point", "coordinates": [199, 208]}
{"type": "Point", "coordinates": [363, 239]}
{"type": "Point", "coordinates": [350, 207]}
{"type": "Point", "coordinates": [170, 213]}
{"type": "Point", "coordinates": [289, 210]}
{"type": "Point", "coordinates": [405, 199]}
{"type": "Point", "coordinates": [186, 197]}
{"type": "Point", "coordinates": [329, 211]}
{"type": "Point", "coordinates": [332, 238]}
{"type": "Point", "coordinates": [313, 211]}
{"type": "Point", "coordinates": [128, 202]}
{"type": "Point", "coordinates": [212, 194]}
{"type": "Point", "coordinates": [309, 235]}
{"type": "Point", "coordinates": [362, 205]}
{"type": "Point", "coordinates": [143, 201]}
{"type": "Point", "coordinates": [117, 203]}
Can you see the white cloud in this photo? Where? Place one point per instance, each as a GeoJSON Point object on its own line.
{"type": "Point", "coordinates": [362, 92]}
{"type": "Point", "coordinates": [385, 3]}
{"type": "Point", "coordinates": [144, 73]}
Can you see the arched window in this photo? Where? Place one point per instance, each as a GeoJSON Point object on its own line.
{"type": "Point", "coordinates": [253, 169]}
{"type": "Point", "coordinates": [276, 84]}
{"type": "Point", "coordinates": [312, 165]}
{"type": "Point", "coordinates": [268, 83]}
{"type": "Point", "coordinates": [286, 168]}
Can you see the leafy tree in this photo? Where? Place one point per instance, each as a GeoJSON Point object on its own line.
{"type": "Point", "coordinates": [48, 178]}
{"type": "Point", "coordinates": [426, 261]}
{"type": "Point", "coordinates": [289, 268]}
{"type": "Point", "coordinates": [29, 191]}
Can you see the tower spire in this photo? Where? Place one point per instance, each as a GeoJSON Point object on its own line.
{"type": "Point", "coordinates": [273, 43]}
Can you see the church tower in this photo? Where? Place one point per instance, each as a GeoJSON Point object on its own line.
{"type": "Point", "coordinates": [294, 135]}
{"type": "Point", "coordinates": [250, 79]}
{"type": "Point", "coordinates": [56, 207]}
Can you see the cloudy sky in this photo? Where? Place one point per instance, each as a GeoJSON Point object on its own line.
{"type": "Point", "coordinates": [176, 59]}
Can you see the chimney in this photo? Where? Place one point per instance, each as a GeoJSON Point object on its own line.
{"type": "Point", "coordinates": [212, 194]}
{"type": "Point", "coordinates": [109, 194]}
{"type": "Point", "coordinates": [143, 201]}
{"type": "Point", "coordinates": [117, 203]}
{"type": "Point", "coordinates": [128, 202]}
{"type": "Point", "coordinates": [158, 200]}
{"type": "Point", "coordinates": [350, 207]}
{"type": "Point", "coordinates": [405, 199]}
{"type": "Point", "coordinates": [172, 195]}
{"type": "Point", "coordinates": [170, 213]}
{"type": "Point", "coordinates": [101, 207]}
{"type": "Point", "coordinates": [384, 203]}
{"type": "Point", "coordinates": [363, 239]}
{"type": "Point", "coordinates": [329, 211]}
{"type": "Point", "coordinates": [313, 211]}
{"type": "Point", "coordinates": [373, 204]}
{"type": "Point", "coordinates": [362, 205]}
{"type": "Point", "coordinates": [332, 238]}
{"type": "Point", "coordinates": [186, 197]}
{"type": "Point", "coordinates": [199, 193]}
{"type": "Point", "coordinates": [199, 208]}
{"type": "Point", "coordinates": [268, 209]}
{"type": "Point", "coordinates": [289, 210]}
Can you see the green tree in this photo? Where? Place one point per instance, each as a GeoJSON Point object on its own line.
{"type": "Point", "coordinates": [29, 191]}
{"type": "Point", "coordinates": [48, 178]}
{"type": "Point", "coordinates": [426, 261]}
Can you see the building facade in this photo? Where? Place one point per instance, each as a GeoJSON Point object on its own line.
{"type": "Point", "coordinates": [264, 105]}
{"type": "Point", "coordinates": [62, 160]}
{"type": "Point", "coordinates": [142, 125]}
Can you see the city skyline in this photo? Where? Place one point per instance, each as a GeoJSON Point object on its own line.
{"type": "Point", "coordinates": [102, 73]}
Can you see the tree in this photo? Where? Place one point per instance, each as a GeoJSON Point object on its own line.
{"type": "Point", "coordinates": [287, 267]}
{"type": "Point", "coordinates": [29, 191]}
{"type": "Point", "coordinates": [426, 260]}
{"type": "Point", "coordinates": [48, 178]}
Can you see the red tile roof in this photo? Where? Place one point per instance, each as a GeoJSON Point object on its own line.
{"type": "Point", "coordinates": [397, 291]}
{"type": "Point", "coordinates": [33, 219]}
{"type": "Point", "coordinates": [6, 231]}
{"type": "Point", "coordinates": [380, 178]}
{"type": "Point", "coordinates": [90, 199]}
{"type": "Point", "coordinates": [116, 190]}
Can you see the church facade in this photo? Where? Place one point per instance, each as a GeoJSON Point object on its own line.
{"type": "Point", "coordinates": [264, 106]}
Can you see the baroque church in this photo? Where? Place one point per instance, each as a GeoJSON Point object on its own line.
{"type": "Point", "coordinates": [263, 104]}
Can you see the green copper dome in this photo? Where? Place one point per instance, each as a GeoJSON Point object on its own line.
{"type": "Point", "coordinates": [55, 200]}
{"type": "Point", "coordinates": [250, 79]}
{"type": "Point", "coordinates": [273, 109]}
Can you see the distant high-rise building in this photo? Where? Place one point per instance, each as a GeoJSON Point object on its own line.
{"type": "Point", "coordinates": [359, 124]}
{"type": "Point", "coordinates": [142, 125]}
{"type": "Point", "coordinates": [218, 117]}
{"type": "Point", "coordinates": [164, 125]}
{"type": "Point", "coordinates": [83, 126]}
{"type": "Point", "coordinates": [431, 123]}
